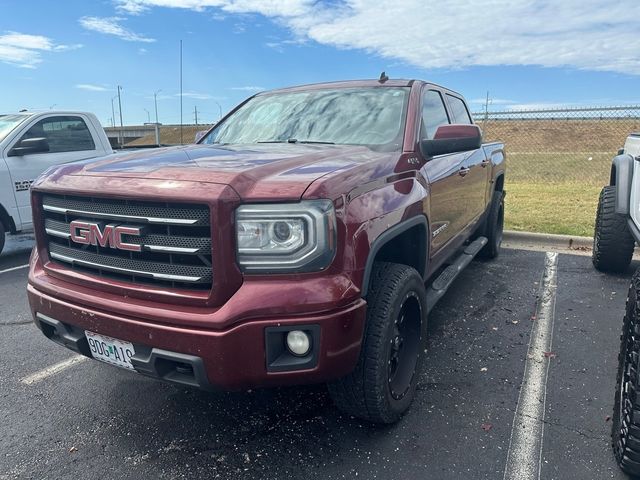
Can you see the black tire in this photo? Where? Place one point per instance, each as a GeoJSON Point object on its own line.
{"type": "Point", "coordinates": [2, 236]}
{"type": "Point", "coordinates": [613, 244]}
{"type": "Point", "coordinates": [625, 431]}
{"type": "Point", "coordinates": [494, 227]}
{"type": "Point", "coordinates": [382, 386]}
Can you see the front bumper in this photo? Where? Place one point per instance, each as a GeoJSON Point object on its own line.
{"type": "Point", "coordinates": [230, 359]}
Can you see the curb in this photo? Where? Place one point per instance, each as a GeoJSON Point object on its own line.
{"type": "Point", "coordinates": [570, 242]}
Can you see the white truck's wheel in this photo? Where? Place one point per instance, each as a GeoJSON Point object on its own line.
{"type": "Point", "coordinates": [625, 431]}
{"type": "Point", "coordinates": [2, 236]}
{"type": "Point", "coordinates": [612, 242]}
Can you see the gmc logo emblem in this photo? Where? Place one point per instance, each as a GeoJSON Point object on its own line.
{"type": "Point", "coordinates": [88, 233]}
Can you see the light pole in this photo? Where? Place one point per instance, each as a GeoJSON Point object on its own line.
{"type": "Point", "coordinates": [113, 112]}
{"type": "Point", "coordinates": [219, 109]}
{"type": "Point", "coordinates": [157, 126]}
{"type": "Point", "coordinates": [120, 108]}
{"type": "Point", "coordinates": [155, 102]}
{"type": "Point", "coordinates": [148, 115]}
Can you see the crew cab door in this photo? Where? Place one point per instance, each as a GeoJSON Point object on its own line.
{"type": "Point", "coordinates": [478, 175]}
{"type": "Point", "coordinates": [446, 176]}
{"type": "Point", "coordinates": [68, 139]}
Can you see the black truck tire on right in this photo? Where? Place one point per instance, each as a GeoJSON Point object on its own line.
{"type": "Point", "coordinates": [396, 325]}
{"type": "Point", "coordinates": [625, 429]}
{"type": "Point", "coordinates": [613, 244]}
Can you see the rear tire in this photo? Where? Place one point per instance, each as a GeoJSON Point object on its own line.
{"type": "Point", "coordinates": [382, 386]}
{"type": "Point", "coordinates": [494, 227]}
{"type": "Point", "coordinates": [2, 236]}
{"type": "Point", "coordinates": [625, 431]}
{"type": "Point", "coordinates": [613, 244]}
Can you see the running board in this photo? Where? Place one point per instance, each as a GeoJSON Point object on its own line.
{"type": "Point", "coordinates": [441, 284]}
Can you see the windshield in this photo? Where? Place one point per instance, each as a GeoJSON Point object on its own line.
{"type": "Point", "coordinates": [8, 123]}
{"type": "Point", "coordinates": [372, 116]}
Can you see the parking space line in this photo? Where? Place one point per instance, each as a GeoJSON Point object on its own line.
{"type": "Point", "coordinates": [527, 433]}
{"type": "Point", "coordinates": [52, 370]}
{"type": "Point", "coordinates": [14, 268]}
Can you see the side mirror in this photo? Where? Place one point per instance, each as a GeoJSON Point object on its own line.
{"type": "Point", "coordinates": [452, 138]}
{"type": "Point", "coordinates": [29, 145]}
{"type": "Point", "coordinates": [200, 134]}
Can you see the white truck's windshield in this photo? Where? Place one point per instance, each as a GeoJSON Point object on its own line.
{"type": "Point", "coordinates": [372, 116]}
{"type": "Point", "coordinates": [9, 122]}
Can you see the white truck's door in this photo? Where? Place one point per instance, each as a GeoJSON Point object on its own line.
{"type": "Point", "coordinates": [69, 139]}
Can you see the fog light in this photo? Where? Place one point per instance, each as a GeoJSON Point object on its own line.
{"type": "Point", "coordinates": [298, 342]}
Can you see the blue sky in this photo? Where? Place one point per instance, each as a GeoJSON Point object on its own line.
{"type": "Point", "coordinates": [526, 53]}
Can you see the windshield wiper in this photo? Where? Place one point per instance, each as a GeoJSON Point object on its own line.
{"type": "Point", "coordinates": [294, 140]}
{"type": "Point", "coordinates": [315, 141]}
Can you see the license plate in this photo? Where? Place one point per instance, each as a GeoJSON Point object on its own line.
{"type": "Point", "coordinates": [110, 350]}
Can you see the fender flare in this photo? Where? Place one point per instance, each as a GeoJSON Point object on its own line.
{"type": "Point", "coordinates": [389, 235]}
{"type": "Point", "coordinates": [622, 177]}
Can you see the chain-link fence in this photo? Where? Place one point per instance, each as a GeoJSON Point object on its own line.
{"type": "Point", "coordinates": [558, 160]}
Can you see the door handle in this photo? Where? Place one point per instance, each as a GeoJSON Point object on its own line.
{"type": "Point", "coordinates": [463, 171]}
{"type": "Point", "coordinates": [485, 162]}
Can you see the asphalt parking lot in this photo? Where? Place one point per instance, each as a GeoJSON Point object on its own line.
{"type": "Point", "coordinates": [91, 420]}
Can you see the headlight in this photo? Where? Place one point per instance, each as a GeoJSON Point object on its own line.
{"type": "Point", "coordinates": [286, 237]}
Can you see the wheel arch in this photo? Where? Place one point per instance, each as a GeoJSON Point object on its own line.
{"type": "Point", "coordinates": [394, 245]}
{"type": "Point", "coordinates": [6, 220]}
{"type": "Point", "coordinates": [622, 178]}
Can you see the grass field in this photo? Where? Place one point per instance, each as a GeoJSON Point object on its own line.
{"type": "Point", "coordinates": [551, 208]}
{"type": "Point", "coordinates": [555, 192]}
{"type": "Point", "coordinates": [556, 169]}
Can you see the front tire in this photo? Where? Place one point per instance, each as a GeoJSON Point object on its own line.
{"type": "Point", "coordinates": [613, 244]}
{"type": "Point", "coordinates": [625, 432]}
{"type": "Point", "coordinates": [382, 386]}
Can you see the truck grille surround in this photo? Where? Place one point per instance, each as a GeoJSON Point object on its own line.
{"type": "Point", "coordinates": [174, 240]}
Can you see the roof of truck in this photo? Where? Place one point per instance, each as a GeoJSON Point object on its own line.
{"type": "Point", "coordinates": [392, 82]}
{"type": "Point", "coordinates": [55, 112]}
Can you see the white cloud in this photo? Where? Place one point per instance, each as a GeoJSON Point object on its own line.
{"type": "Point", "coordinates": [195, 95]}
{"type": "Point", "coordinates": [111, 26]}
{"type": "Point", "coordinates": [582, 34]}
{"type": "Point", "coordinates": [91, 87]}
{"type": "Point", "coordinates": [248, 88]}
{"type": "Point", "coordinates": [25, 50]}
{"type": "Point", "coordinates": [268, 8]}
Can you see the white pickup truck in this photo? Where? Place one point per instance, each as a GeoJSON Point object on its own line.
{"type": "Point", "coordinates": [31, 142]}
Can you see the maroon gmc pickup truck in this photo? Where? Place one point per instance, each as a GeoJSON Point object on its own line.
{"type": "Point", "coordinates": [303, 239]}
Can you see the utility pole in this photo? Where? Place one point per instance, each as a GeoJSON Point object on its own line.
{"type": "Point", "coordinates": [181, 140]}
{"type": "Point", "coordinates": [195, 113]}
{"type": "Point", "coordinates": [120, 108]}
{"type": "Point", "coordinates": [113, 113]}
{"type": "Point", "coordinates": [486, 107]}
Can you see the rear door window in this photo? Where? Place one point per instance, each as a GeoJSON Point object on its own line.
{"type": "Point", "coordinates": [434, 114]}
{"type": "Point", "coordinates": [458, 110]}
{"type": "Point", "coordinates": [63, 133]}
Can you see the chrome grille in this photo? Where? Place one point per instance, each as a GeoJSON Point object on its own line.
{"type": "Point", "coordinates": [175, 241]}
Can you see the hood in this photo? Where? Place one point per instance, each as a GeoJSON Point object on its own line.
{"type": "Point", "coordinates": [260, 171]}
